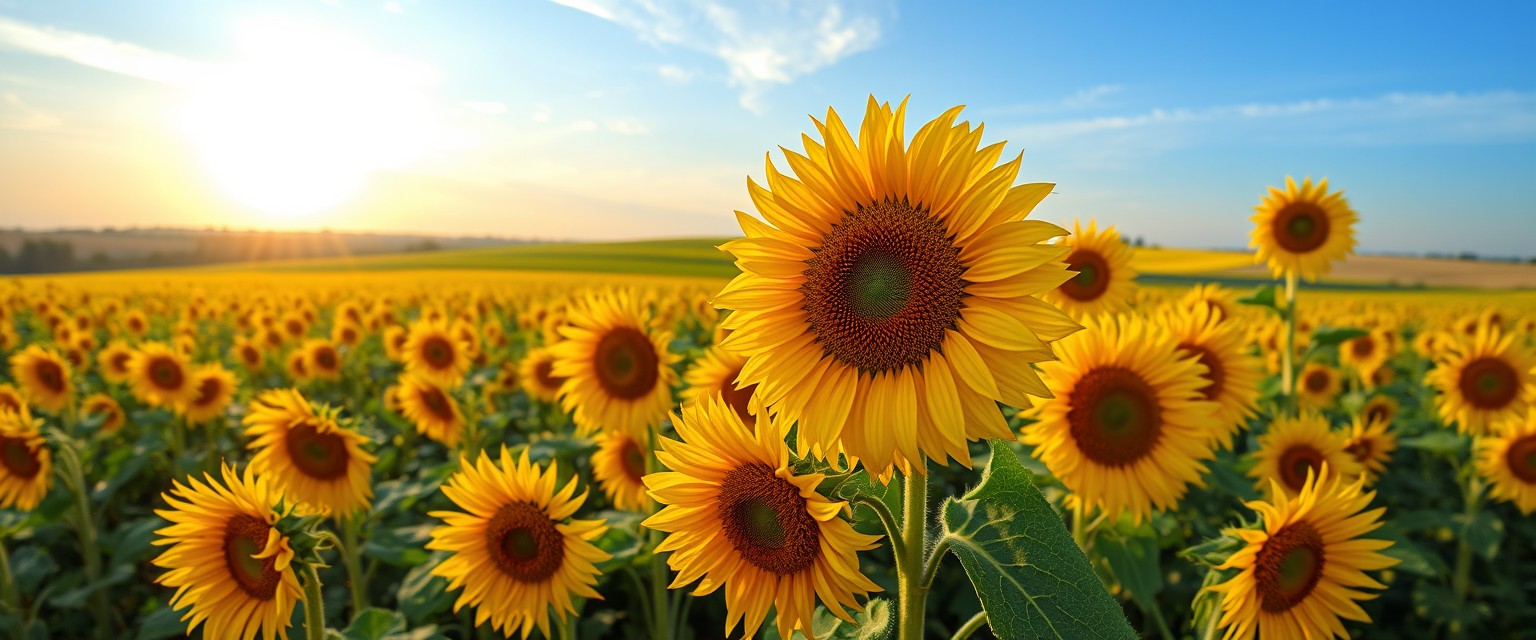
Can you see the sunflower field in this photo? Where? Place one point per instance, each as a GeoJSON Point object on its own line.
{"type": "Point", "coordinates": [916, 412]}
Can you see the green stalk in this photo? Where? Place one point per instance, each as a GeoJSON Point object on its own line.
{"type": "Point", "coordinates": [351, 556]}
{"type": "Point", "coordinates": [1461, 580]}
{"type": "Point", "coordinates": [1288, 354]}
{"type": "Point", "coordinates": [314, 604]}
{"type": "Point", "coordinates": [72, 475]}
{"type": "Point", "coordinates": [909, 565]}
{"type": "Point", "coordinates": [10, 595]}
{"type": "Point", "coordinates": [970, 626]}
{"type": "Point", "coordinates": [1162, 624]}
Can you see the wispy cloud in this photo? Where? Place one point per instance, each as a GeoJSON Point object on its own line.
{"type": "Point", "coordinates": [1090, 98]}
{"type": "Point", "coordinates": [101, 53]}
{"type": "Point", "coordinates": [761, 44]}
{"type": "Point", "coordinates": [674, 74]}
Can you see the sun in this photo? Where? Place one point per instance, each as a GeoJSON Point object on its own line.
{"type": "Point", "coordinates": [301, 121]}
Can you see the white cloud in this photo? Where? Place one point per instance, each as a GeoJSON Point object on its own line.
{"type": "Point", "coordinates": [101, 53]}
{"type": "Point", "coordinates": [19, 116]}
{"type": "Point", "coordinates": [674, 74]}
{"type": "Point", "coordinates": [761, 44]}
{"type": "Point", "coordinates": [485, 107]}
{"type": "Point", "coordinates": [1084, 99]}
{"type": "Point", "coordinates": [628, 126]}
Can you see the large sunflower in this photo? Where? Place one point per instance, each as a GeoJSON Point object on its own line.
{"type": "Point", "coordinates": [215, 387]}
{"type": "Point", "coordinates": [892, 296]}
{"type": "Point", "coordinates": [1508, 461]}
{"type": "Point", "coordinates": [715, 373]}
{"type": "Point", "coordinates": [1129, 429]}
{"type": "Point", "coordinates": [619, 465]}
{"type": "Point", "coordinates": [537, 371]}
{"type": "Point", "coordinates": [26, 464]}
{"type": "Point", "coordinates": [517, 552]}
{"type": "Point", "coordinates": [1232, 375]}
{"type": "Point", "coordinates": [738, 517]}
{"type": "Point", "coordinates": [307, 452]}
{"type": "Point", "coordinates": [618, 372]}
{"type": "Point", "coordinates": [1303, 230]}
{"type": "Point", "coordinates": [1103, 284]}
{"type": "Point", "coordinates": [1305, 570]}
{"type": "Point", "coordinates": [161, 376]}
{"type": "Point", "coordinates": [1295, 447]}
{"type": "Point", "coordinates": [1372, 445]}
{"type": "Point", "coordinates": [226, 560]}
{"type": "Point", "coordinates": [433, 351]}
{"type": "Point", "coordinates": [43, 376]}
{"type": "Point", "coordinates": [1483, 381]}
{"type": "Point", "coordinates": [435, 413]}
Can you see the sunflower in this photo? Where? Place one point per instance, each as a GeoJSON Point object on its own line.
{"type": "Point", "coordinates": [1130, 428]}
{"type": "Point", "coordinates": [1366, 353]}
{"type": "Point", "coordinates": [1483, 381]}
{"type": "Point", "coordinates": [113, 361]}
{"type": "Point", "coordinates": [434, 352]}
{"type": "Point", "coordinates": [433, 410]}
{"type": "Point", "coordinates": [11, 398]}
{"type": "Point", "coordinates": [1318, 386]}
{"type": "Point", "coordinates": [394, 338]}
{"type": "Point", "coordinates": [1372, 445]}
{"type": "Point", "coordinates": [248, 354]}
{"type": "Point", "coordinates": [1508, 461]}
{"type": "Point", "coordinates": [44, 377]}
{"type": "Point", "coordinates": [1303, 231]}
{"type": "Point", "coordinates": [26, 464]}
{"type": "Point", "coordinates": [136, 323]}
{"type": "Point", "coordinates": [307, 453]}
{"type": "Point", "coordinates": [537, 371]}
{"type": "Point", "coordinates": [715, 373]}
{"type": "Point", "coordinates": [618, 372]}
{"type": "Point", "coordinates": [619, 465]}
{"type": "Point", "coordinates": [1305, 570]}
{"type": "Point", "coordinates": [161, 376]}
{"type": "Point", "coordinates": [321, 359]}
{"type": "Point", "coordinates": [1232, 376]}
{"type": "Point", "coordinates": [215, 387]}
{"type": "Point", "coordinates": [506, 378]}
{"type": "Point", "coordinates": [1380, 408]}
{"type": "Point", "coordinates": [297, 368]}
{"type": "Point", "coordinates": [1221, 302]}
{"type": "Point", "coordinates": [517, 552]}
{"type": "Point", "coordinates": [101, 404]}
{"type": "Point", "coordinates": [892, 297]}
{"type": "Point", "coordinates": [737, 516]}
{"type": "Point", "coordinates": [347, 333]}
{"type": "Point", "coordinates": [1103, 284]}
{"type": "Point", "coordinates": [1296, 447]}
{"type": "Point", "coordinates": [227, 560]}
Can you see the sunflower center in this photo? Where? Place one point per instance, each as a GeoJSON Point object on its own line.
{"type": "Point", "coordinates": [165, 373]}
{"type": "Point", "coordinates": [633, 460]}
{"type": "Point", "coordinates": [1301, 227]}
{"type": "Point", "coordinates": [1092, 278]}
{"type": "Point", "coordinates": [326, 358]}
{"type": "Point", "coordinates": [739, 399]}
{"type": "Point", "coordinates": [765, 519]}
{"type": "Point", "coordinates": [51, 375]}
{"type": "Point", "coordinates": [1489, 383]}
{"type": "Point", "coordinates": [318, 455]}
{"type": "Point", "coordinates": [19, 458]}
{"type": "Point", "coordinates": [1361, 449]}
{"type": "Point", "coordinates": [524, 542]}
{"type": "Point", "coordinates": [1521, 458]}
{"type": "Point", "coordinates": [119, 362]}
{"type": "Point", "coordinates": [1115, 417]}
{"type": "Point", "coordinates": [1316, 381]}
{"type": "Point", "coordinates": [545, 373]}
{"type": "Point", "coordinates": [626, 363]}
{"type": "Point", "coordinates": [1296, 462]}
{"type": "Point", "coordinates": [883, 287]}
{"type": "Point", "coordinates": [207, 391]}
{"type": "Point", "coordinates": [1363, 346]}
{"type": "Point", "coordinates": [1378, 412]}
{"type": "Point", "coordinates": [1215, 374]}
{"type": "Point", "coordinates": [1289, 566]}
{"type": "Point", "coordinates": [437, 352]}
{"type": "Point", "coordinates": [433, 398]}
{"type": "Point", "coordinates": [249, 354]}
{"type": "Point", "coordinates": [244, 536]}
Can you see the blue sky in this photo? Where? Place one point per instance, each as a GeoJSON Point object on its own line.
{"type": "Point", "coordinates": [609, 119]}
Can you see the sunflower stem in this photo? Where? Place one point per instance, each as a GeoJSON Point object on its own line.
{"type": "Point", "coordinates": [1461, 579]}
{"type": "Point", "coordinates": [887, 520]}
{"type": "Point", "coordinates": [351, 556]}
{"type": "Point", "coordinates": [931, 567]}
{"type": "Point", "coordinates": [72, 474]}
{"type": "Point", "coordinates": [314, 604]}
{"type": "Point", "coordinates": [10, 596]}
{"type": "Point", "coordinates": [659, 575]}
{"type": "Point", "coordinates": [970, 626]}
{"type": "Point", "coordinates": [909, 565]}
{"type": "Point", "coordinates": [1288, 354]}
{"type": "Point", "coordinates": [1162, 623]}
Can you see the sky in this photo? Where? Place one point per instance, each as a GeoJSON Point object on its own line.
{"type": "Point", "coordinates": [607, 119]}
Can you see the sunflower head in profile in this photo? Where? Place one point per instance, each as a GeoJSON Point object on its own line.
{"type": "Point", "coordinates": [1232, 375]}
{"type": "Point", "coordinates": [26, 464]}
{"type": "Point", "coordinates": [1483, 381]}
{"type": "Point", "coordinates": [537, 372]}
{"type": "Point", "coordinates": [215, 387]}
{"type": "Point", "coordinates": [307, 453]}
{"type": "Point", "coordinates": [1379, 408]}
{"type": "Point", "coordinates": [1104, 281]}
{"type": "Point", "coordinates": [1219, 301]}
{"type": "Point", "coordinates": [1371, 444]}
{"type": "Point", "coordinates": [1303, 230]}
{"type": "Point", "coordinates": [112, 361]}
{"type": "Point", "coordinates": [738, 517]}
{"type": "Point", "coordinates": [714, 373]}
{"type": "Point", "coordinates": [1318, 386]}
{"type": "Point", "coordinates": [1129, 429]}
{"type": "Point", "coordinates": [161, 375]}
{"type": "Point", "coordinates": [431, 408]}
{"type": "Point", "coordinates": [890, 297]}
{"type": "Point", "coordinates": [1507, 461]}
{"type": "Point", "coordinates": [1303, 572]}
{"type": "Point", "coordinates": [226, 559]}
{"type": "Point", "coordinates": [619, 467]}
{"type": "Point", "coordinates": [432, 350]}
{"type": "Point", "coordinates": [506, 378]}
{"type": "Point", "coordinates": [296, 367]}
{"type": "Point", "coordinates": [322, 360]}
{"type": "Point", "coordinates": [394, 338]}
{"type": "Point", "coordinates": [44, 377]}
{"type": "Point", "coordinates": [515, 549]}
{"type": "Point", "coordinates": [248, 354]}
{"type": "Point", "coordinates": [618, 372]}
{"type": "Point", "coordinates": [105, 406]}
{"type": "Point", "coordinates": [1294, 448]}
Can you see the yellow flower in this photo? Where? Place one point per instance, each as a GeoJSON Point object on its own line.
{"type": "Point", "coordinates": [307, 453]}
{"type": "Point", "coordinates": [618, 465]}
{"type": "Point", "coordinates": [161, 376]}
{"type": "Point", "coordinates": [321, 359]}
{"type": "Point", "coordinates": [1104, 281]}
{"type": "Point", "coordinates": [26, 464]}
{"type": "Point", "coordinates": [11, 398]}
{"type": "Point", "coordinates": [105, 406]}
{"type": "Point", "coordinates": [1232, 375]}
{"type": "Point", "coordinates": [113, 361]}
{"type": "Point", "coordinates": [516, 551]}
{"type": "Point", "coordinates": [892, 297]}
{"type": "Point", "coordinates": [1372, 445]}
{"type": "Point", "coordinates": [1366, 353]}
{"type": "Point", "coordinates": [537, 371]}
{"type": "Point", "coordinates": [215, 387]}
{"type": "Point", "coordinates": [1318, 386]}
{"type": "Point", "coordinates": [1295, 448]}
{"type": "Point", "coordinates": [435, 413]}
{"type": "Point", "coordinates": [738, 517]}
{"type": "Point", "coordinates": [1303, 230]}
{"type": "Point", "coordinates": [435, 353]}
{"type": "Point", "coordinates": [1483, 381]}
{"type": "Point", "coordinates": [618, 372]}
{"type": "Point", "coordinates": [247, 354]}
{"type": "Point", "coordinates": [714, 373]}
{"type": "Point", "coordinates": [1508, 461]}
{"type": "Point", "coordinates": [1380, 408]}
{"type": "Point", "coordinates": [44, 377]}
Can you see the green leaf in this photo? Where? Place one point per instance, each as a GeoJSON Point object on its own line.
{"type": "Point", "coordinates": [374, 624]}
{"type": "Point", "coordinates": [1443, 443]}
{"type": "Point", "coordinates": [875, 622]}
{"type": "Point", "coordinates": [1483, 533]}
{"type": "Point", "coordinates": [1264, 297]}
{"type": "Point", "coordinates": [1033, 580]}
{"type": "Point", "coordinates": [164, 622]}
{"type": "Point", "coordinates": [1214, 551]}
{"type": "Point", "coordinates": [1134, 561]}
{"type": "Point", "coordinates": [1336, 337]}
{"type": "Point", "coordinates": [423, 595]}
